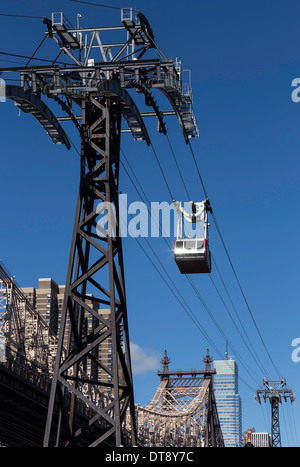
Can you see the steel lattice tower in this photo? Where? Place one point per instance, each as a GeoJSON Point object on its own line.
{"type": "Point", "coordinates": [97, 82]}
{"type": "Point", "coordinates": [101, 118]}
{"type": "Point", "coordinates": [275, 391]}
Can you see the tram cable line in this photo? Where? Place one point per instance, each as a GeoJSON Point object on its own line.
{"type": "Point", "coordinates": [188, 278]}
{"type": "Point", "coordinates": [262, 369]}
{"type": "Point", "coordinates": [288, 411]}
{"type": "Point", "coordinates": [291, 432]}
{"type": "Point", "coordinates": [232, 266]}
{"type": "Point", "coordinates": [11, 61]}
{"type": "Point", "coordinates": [288, 433]}
{"type": "Point", "coordinates": [184, 305]}
{"type": "Point", "coordinates": [263, 409]}
{"type": "Point", "coordinates": [38, 47]}
{"type": "Point", "coordinates": [21, 16]}
{"type": "Point", "coordinates": [234, 308]}
{"type": "Point", "coordinates": [227, 253]}
{"type": "Point", "coordinates": [162, 172]}
{"type": "Point", "coordinates": [98, 5]}
{"type": "Point", "coordinates": [178, 168]}
{"type": "Point", "coordinates": [219, 273]}
{"type": "Point", "coordinates": [264, 372]}
{"type": "Point", "coordinates": [201, 180]}
{"type": "Point", "coordinates": [28, 57]}
{"type": "Point", "coordinates": [235, 274]}
{"type": "Point", "coordinates": [193, 285]}
{"type": "Point", "coordinates": [293, 423]}
{"type": "Point", "coordinates": [236, 353]}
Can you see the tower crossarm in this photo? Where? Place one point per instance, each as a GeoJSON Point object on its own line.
{"type": "Point", "coordinates": [275, 392]}
{"type": "Point", "coordinates": [90, 61]}
{"type": "Point", "coordinates": [29, 102]}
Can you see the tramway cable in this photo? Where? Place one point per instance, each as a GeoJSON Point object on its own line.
{"type": "Point", "coordinates": [231, 264]}
{"type": "Point", "coordinates": [185, 306]}
{"type": "Point", "coordinates": [21, 16]}
{"type": "Point", "coordinates": [177, 165]}
{"type": "Point", "coordinates": [187, 276]}
{"type": "Point", "coordinates": [27, 57]}
{"type": "Point", "coordinates": [190, 280]}
{"type": "Point", "coordinates": [219, 273]}
{"type": "Point", "coordinates": [97, 4]}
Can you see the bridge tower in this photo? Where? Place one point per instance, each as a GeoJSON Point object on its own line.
{"type": "Point", "coordinates": [95, 79]}
{"type": "Point", "coordinates": [183, 410]}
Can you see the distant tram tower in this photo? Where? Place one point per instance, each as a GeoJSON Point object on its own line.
{"type": "Point", "coordinates": [275, 391]}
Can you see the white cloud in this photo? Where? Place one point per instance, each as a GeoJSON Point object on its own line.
{"type": "Point", "coordinates": [143, 360]}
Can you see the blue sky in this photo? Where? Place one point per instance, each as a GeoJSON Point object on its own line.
{"type": "Point", "coordinates": [243, 58]}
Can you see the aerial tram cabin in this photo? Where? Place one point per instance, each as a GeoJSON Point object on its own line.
{"type": "Point", "coordinates": [192, 255]}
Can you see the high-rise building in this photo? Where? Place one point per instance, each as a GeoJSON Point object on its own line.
{"type": "Point", "coordinates": [105, 356]}
{"type": "Point", "coordinates": [228, 401]}
{"type": "Point", "coordinates": [2, 312]}
{"type": "Point", "coordinates": [48, 299]}
{"type": "Point", "coordinates": [261, 440]}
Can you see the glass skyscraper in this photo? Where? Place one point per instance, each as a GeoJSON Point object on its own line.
{"type": "Point", "coordinates": [228, 401]}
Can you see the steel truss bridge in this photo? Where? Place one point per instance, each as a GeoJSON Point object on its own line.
{"type": "Point", "coordinates": [44, 378]}
{"type": "Point", "coordinates": [183, 410]}
{"type": "Point", "coordinates": [27, 356]}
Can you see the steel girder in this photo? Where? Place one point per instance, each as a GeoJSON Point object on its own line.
{"type": "Point", "coordinates": [31, 103]}
{"type": "Point", "coordinates": [275, 429]}
{"type": "Point", "coordinates": [95, 275]}
{"type": "Point", "coordinates": [144, 75]}
{"type": "Point", "coordinates": [129, 109]}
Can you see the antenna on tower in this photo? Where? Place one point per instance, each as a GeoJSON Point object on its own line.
{"type": "Point", "coordinates": [226, 352]}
